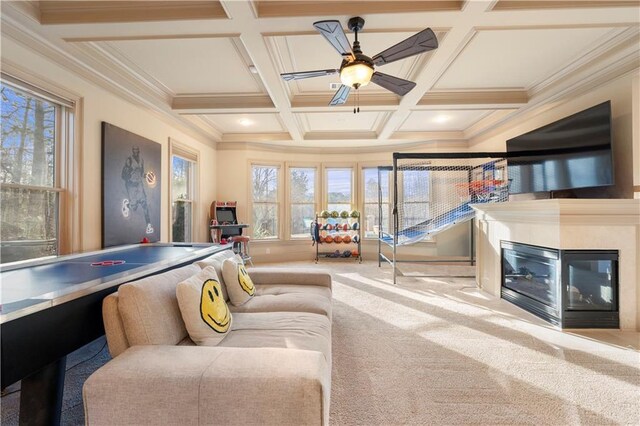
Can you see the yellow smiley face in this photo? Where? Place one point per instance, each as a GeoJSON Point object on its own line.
{"type": "Point", "coordinates": [213, 308]}
{"type": "Point", "coordinates": [245, 280]}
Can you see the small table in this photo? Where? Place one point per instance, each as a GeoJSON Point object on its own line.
{"type": "Point", "coordinates": [225, 229]}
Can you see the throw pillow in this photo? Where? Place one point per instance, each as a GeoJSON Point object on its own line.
{"type": "Point", "coordinates": [203, 308]}
{"type": "Point", "coordinates": [239, 284]}
{"type": "Point", "coordinates": [216, 261]}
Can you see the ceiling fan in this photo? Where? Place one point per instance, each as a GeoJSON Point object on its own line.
{"type": "Point", "coordinates": [357, 69]}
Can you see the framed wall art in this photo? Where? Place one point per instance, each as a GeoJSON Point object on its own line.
{"type": "Point", "coordinates": [131, 187]}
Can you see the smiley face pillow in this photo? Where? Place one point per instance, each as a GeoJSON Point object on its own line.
{"type": "Point", "coordinates": [203, 308]}
{"type": "Point", "coordinates": [239, 284]}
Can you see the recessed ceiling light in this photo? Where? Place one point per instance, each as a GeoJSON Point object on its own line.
{"type": "Point", "coordinates": [245, 122]}
{"type": "Point", "coordinates": [441, 118]}
{"type": "Point", "coordinates": [253, 69]}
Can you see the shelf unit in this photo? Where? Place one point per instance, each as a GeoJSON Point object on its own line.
{"type": "Point", "coordinates": [338, 227]}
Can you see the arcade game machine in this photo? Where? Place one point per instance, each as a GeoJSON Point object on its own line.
{"type": "Point", "coordinates": [224, 227]}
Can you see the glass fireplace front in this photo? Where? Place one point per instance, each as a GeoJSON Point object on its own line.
{"type": "Point", "coordinates": [570, 288]}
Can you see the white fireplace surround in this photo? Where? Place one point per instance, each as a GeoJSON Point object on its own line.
{"type": "Point", "coordinates": [602, 224]}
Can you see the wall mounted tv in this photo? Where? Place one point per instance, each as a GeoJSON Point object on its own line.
{"type": "Point", "coordinates": [574, 152]}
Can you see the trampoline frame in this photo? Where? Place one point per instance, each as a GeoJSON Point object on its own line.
{"type": "Point", "coordinates": [394, 169]}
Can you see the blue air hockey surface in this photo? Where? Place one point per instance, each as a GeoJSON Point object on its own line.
{"type": "Point", "coordinates": [32, 286]}
{"type": "Point", "coordinates": [51, 307]}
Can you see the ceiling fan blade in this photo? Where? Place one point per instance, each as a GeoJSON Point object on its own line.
{"type": "Point", "coordinates": [288, 76]}
{"type": "Point", "coordinates": [333, 32]}
{"type": "Point", "coordinates": [424, 41]}
{"type": "Point", "coordinates": [396, 85]}
{"type": "Point", "coordinates": [341, 96]}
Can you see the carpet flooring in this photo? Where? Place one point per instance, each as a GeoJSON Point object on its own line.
{"type": "Point", "coordinates": [435, 350]}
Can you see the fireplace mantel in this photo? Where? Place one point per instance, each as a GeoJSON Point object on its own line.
{"type": "Point", "coordinates": [602, 224]}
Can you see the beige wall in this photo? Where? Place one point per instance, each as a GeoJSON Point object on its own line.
{"type": "Point", "coordinates": [101, 105]}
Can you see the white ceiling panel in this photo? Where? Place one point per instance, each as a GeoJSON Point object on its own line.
{"type": "Point", "coordinates": [445, 120]}
{"type": "Point", "coordinates": [193, 65]}
{"type": "Point", "coordinates": [341, 121]}
{"type": "Point", "coordinates": [245, 123]}
{"type": "Point", "coordinates": [518, 58]}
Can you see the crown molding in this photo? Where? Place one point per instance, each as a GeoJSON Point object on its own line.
{"type": "Point", "coordinates": [422, 146]}
{"type": "Point", "coordinates": [273, 9]}
{"type": "Point", "coordinates": [453, 135]}
{"type": "Point", "coordinates": [256, 137]}
{"type": "Point", "coordinates": [323, 136]}
{"type": "Point", "coordinates": [14, 30]}
{"type": "Point", "coordinates": [92, 12]}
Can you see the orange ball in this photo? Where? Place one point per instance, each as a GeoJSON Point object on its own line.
{"type": "Point", "coordinates": [338, 239]}
{"type": "Point", "coordinates": [346, 239]}
{"type": "Point", "coordinates": [328, 239]}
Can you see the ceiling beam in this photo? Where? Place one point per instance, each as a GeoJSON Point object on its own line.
{"type": "Point", "coordinates": [256, 47]}
{"type": "Point", "coordinates": [92, 12]}
{"type": "Point", "coordinates": [271, 9]}
{"type": "Point", "coordinates": [477, 97]}
{"type": "Point", "coordinates": [566, 4]}
{"type": "Point", "coordinates": [211, 104]}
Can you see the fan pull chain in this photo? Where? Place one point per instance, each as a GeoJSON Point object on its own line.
{"type": "Point", "coordinates": [356, 102]}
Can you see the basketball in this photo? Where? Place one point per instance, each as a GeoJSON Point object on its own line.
{"type": "Point", "coordinates": [346, 239]}
{"type": "Point", "coordinates": [338, 239]}
{"type": "Point", "coordinates": [354, 253]}
{"type": "Point", "coordinates": [328, 239]}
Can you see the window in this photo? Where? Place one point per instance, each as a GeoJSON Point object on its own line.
{"type": "Point", "coordinates": [264, 185]}
{"type": "Point", "coordinates": [32, 147]}
{"type": "Point", "coordinates": [371, 214]}
{"type": "Point", "coordinates": [183, 193]}
{"type": "Point", "coordinates": [302, 200]}
{"type": "Point", "coordinates": [339, 188]}
{"type": "Point", "coordinates": [416, 196]}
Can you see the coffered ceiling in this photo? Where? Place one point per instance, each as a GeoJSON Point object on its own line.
{"type": "Point", "coordinates": [214, 65]}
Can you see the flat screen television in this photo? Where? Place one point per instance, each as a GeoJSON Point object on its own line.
{"type": "Point", "coordinates": [574, 152]}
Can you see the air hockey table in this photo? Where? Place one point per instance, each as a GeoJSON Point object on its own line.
{"type": "Point", "coordinates": [51, 307]}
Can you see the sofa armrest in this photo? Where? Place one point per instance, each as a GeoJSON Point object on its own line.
{"type": "Point", "coordinates": [209, 385]}
{"type": "Point", "coordinates": [278, 276]}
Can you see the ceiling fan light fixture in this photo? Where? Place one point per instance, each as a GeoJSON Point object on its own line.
{"type": "Point", "coordinates": [356, 74]}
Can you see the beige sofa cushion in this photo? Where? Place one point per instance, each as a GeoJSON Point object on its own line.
{"type": "Point", "coordinates": [216, 260]}
{"type": "Point", "coordinates": [293, 330]}
{"type": "Point", "coordinates": [287, 302]}
{"type": "Point", "coordinates": [238, 282]}
{"type": "Point", "coordinates": [264, 289]}
{"type": "Point", "coordinates": [203, 308]}
{"type": "Point", "coordinates": [149, 308]}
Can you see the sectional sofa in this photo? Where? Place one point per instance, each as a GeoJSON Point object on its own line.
{"type": "Point", "coordinates": [273, 367]}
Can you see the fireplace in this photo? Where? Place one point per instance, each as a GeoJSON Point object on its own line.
{"type": "Point", "coordinates": [568, 288]}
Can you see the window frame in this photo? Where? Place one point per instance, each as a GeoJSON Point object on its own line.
{"type": "Point", "coordinates": [316, 194]}
{"type": "Point", "coordinates": [67, 154]}
{"type": "Point", "coordinates": [362, 199]}
{"type": "Point", "coordinates": [178, 149]}
{"type": "Point", "coordinates": [325, 183]}
{"type": "Point", "coordinates": [280, 166]}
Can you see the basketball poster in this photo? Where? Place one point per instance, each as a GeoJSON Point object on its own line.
{"type": "Point", "coordinates": [131, 187]}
